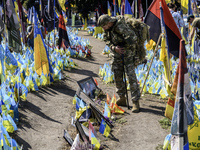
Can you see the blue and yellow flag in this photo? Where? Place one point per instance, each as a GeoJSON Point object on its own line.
{"type": "Point", "coordinates": [10, 59]}
{"type": "Point", "coordinates": [104, 128]}
{"type": "Point", "coordinates": [5, 138]}
{"type": "Point", "coordinates": [128, 11]}
{"type": "Point", "coordinates": [107, 111]}
{"type": "Point", "coordinates": [8, 123]}
{"type": "Point", "coordinates": [108, 9]}
{"type": "Point", "coordinates": [14, 145]}
{"type": "Point", "coordinates": [40, 52]}
{"type": "Point", "coordinates": [95, 142]}
{"type": "Point", "coordinates": [23, 91]}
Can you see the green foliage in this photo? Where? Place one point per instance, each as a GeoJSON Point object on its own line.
{"type": "Point", "coordinates": [159, 147]}
{"type": "Point", "coordinates": [165, 123]}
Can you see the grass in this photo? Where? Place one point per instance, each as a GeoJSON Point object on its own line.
{"type": "Point", "coordinates": [165, 123]}
{"type": "Point", "coordinates": [159, 147]}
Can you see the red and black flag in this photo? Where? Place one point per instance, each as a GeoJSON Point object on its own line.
{"type": "Point", "coordinates": [183, 111]}
{"type": "Point", "coordinates": [62, 32]}
{"type": "Point", "coordinates": [152, 18]}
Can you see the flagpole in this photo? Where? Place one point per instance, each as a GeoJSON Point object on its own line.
{"type": "Point", "coordinates": [156, 49]}
{"type": "Point", "coordinates": [181, 99]}
{"type": "Point", "coordinates": [48, 41]}
{"type": "Point", "coordinates": [135, 8]}
{"type": "Point", "coordinates": [146, 5]}
{"type": "Point", "coordinates": [168, 55]}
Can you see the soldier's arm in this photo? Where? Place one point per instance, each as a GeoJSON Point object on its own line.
{"type": "Point", "coordinates": [108, 43]}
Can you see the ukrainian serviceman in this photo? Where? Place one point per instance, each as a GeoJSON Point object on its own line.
{"type": "Point", "coordinates": [121, 39]}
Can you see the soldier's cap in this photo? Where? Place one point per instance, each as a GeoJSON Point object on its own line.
{"type": "Point", "coordinates": [190, 16]}
{"type": "Point", "coordinates": [104, 19]}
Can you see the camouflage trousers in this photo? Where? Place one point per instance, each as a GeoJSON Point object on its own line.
{"type": "Point", "coordinates": [117, 68]}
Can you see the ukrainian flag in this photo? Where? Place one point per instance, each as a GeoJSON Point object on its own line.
{"type": "Point", "coordinates": [109, 12]}
{"type": "Point", "coordinates": [128, 11]}
{"type": "Point", "coordinates": [95, 142]}
{"type": "Point", "coordinates": [106, 111]}
{"type": "Point", "coordinates": [104, 128]}
{"type": "Point", "coordinates": [40, 52]}
{"type": "Point", "coordinates": [9, 123]}
{"type": "Point", "coordinates": [24, 91]}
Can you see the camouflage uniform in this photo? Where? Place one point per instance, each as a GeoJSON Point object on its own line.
{"type": "Point", "coordinates": [122, 35]}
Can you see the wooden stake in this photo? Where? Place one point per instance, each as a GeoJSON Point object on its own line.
{"type": "Point", "coordinates": [156, 49]}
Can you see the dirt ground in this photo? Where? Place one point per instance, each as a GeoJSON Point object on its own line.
{"type": "Point", "coordinates": [46, 113]}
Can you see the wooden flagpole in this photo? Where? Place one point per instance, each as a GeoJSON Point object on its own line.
{"type": "Point", "coordinates": [156, 49]}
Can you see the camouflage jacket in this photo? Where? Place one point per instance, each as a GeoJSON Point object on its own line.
{"type": "Point", "coordinates": [122, 35]}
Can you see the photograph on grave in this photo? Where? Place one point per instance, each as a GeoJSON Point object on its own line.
{"type": "Point", "coordinates": [88, 86]}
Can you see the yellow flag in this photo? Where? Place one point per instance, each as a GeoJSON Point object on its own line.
{"type": "Point", "coordinates": [107, 131]}
{"type": "Point", "coordinates": [184, 6]}
{"type": "Point", "coordinates": [163, 52]}
{"type": "Point", "coordinates": [98, 30]}
{"type": "Point", "coordinates": [193, 132]}
{"type": "Point", "coordinates": [40, 56]}
{"type": "Point", "coordinates": [163, 58]}
{"type": "Point", "coordinates": [150, 45]}
{"type": "Point", "coordinates": [62, 4]}
{"type": "Point", "coordinates": [1, 69]}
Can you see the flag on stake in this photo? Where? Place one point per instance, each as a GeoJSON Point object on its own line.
{"type": "Point", "coordinates": [128, 11]}
{"type": "Point", "coordinates": [164, 55]}
{"type": "Point", "coordinates": [104, 128]}
{"type": "Point", "coordinates": [108, 98]}
{"type": "Point", "coordinates": [62, 32]}
{"type": "Point", "coordinates": [92, 130]}
{"type": "Point", "coordinates": [183, 111]}
{"type": "Point", "coordinates": [112, 104]}
{"type": "Point", "coordinates": [109, 11]}
{"type": "Point", "coordinates": [106, 111]}
{"type": "Point", "coordinates": [152, 18]}
{"type": "Point", "coordinates": [40, 52]}
{"type": "Point", "coordinates": [118, 110]}
{"type": "Point", "coordinates": [92, 137]}
{"type": "Point", "coordinates": [95, 142]}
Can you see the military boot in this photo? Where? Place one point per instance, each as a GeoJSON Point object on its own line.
{"type": "Point", "coordinates": [121, 101]}
{"type": "Point", "coordinates": [136, 107]}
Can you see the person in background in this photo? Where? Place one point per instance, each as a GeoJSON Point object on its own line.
{"type": "Point", "coordinates": [30, 35]}
{"type": "Point", "coordinates": [177, 17]}
{"type": "Point", "coordinates": [195, 27]}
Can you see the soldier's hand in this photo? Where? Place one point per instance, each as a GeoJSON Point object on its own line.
{"type": "Point", "coordinates": [119, 50]}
